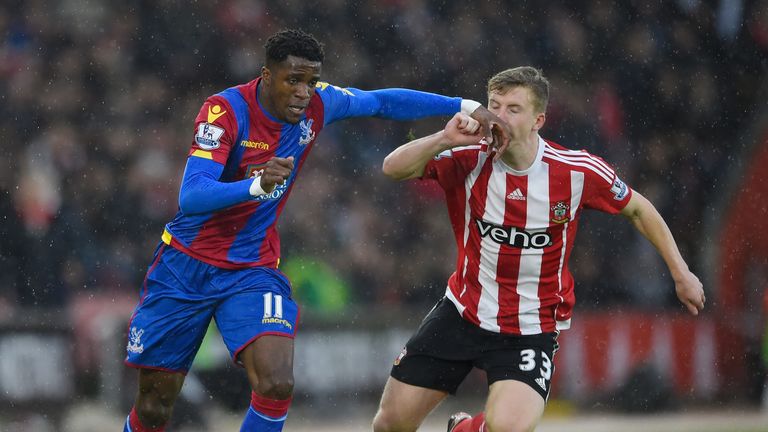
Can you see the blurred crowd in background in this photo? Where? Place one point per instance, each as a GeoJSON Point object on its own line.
{"type": "Point", "coordinates": [98, 100]}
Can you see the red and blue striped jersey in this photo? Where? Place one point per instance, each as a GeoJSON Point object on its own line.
{"type": "Point", "coordinates": [218, 221]}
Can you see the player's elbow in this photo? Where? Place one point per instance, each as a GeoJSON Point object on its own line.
{"type": "Point", "coordinates": [189, 203]}
{"type": "Point", "coordinates": [185, 202]}
{"type": "Point", "coordinates": [391, 169]}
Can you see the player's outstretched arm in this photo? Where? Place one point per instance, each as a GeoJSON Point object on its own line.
{"type": "Point", "coordinates": [407, 104]}
{"type": "Point", "coordinates": [651, 225]}
{"type": "Point", "coordinates": [408, 160]}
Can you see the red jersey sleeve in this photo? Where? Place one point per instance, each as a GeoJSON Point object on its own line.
{"type": "Point", "coordinates": [451, 167]}
{"type": "Point", "coordinates": [604, 190]}
{"type": "Point", "coordinates": [215, 130]}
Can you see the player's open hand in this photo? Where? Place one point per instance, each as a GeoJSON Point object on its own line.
{"type": "Point", "coordinates": [496, 131]}
{"type": "Point", "coordinates": [462, 130]}
{"type": "Point", "coordinates": [690, 292]}
{"type": "Point", "coordinates": [276, 172]}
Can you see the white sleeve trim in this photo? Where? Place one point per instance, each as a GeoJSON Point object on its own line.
{"type": "Point", "coordinates": [256, 188]}
{"type": "Point", "coordinates": [468, 106]}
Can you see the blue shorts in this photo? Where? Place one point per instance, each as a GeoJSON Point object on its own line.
{"type": "Point", "coordinates": [179, 297]}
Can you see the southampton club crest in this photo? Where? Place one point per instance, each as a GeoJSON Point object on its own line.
{"type": "Point", "coordinates": [560, 213]}
{"type": "Point", "coordinates": [307, 134]}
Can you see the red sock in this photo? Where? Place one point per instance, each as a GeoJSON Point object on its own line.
{"type": "Point", "coordinates": [136, 426]}
{"type": "Point", "coordinates": [475, 424]}
{"type": "Point", "coordinates": [270, 407]}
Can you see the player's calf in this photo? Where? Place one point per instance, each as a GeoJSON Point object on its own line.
{"type": "Point", "coordinates": [154, 403]}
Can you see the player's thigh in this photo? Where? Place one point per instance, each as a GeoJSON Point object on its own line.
{"type": "Point", "coordinates": [441, 352]}
{"type": "Point", "coordinates": [172, 316]}
{"type": "Point", "coordinates": [404, 406]}
{"type": "Point", "coordinates": [259, 305]}
{"type": "Point", "coordinates": [519, 370]}
{"type": "Point", "coordinates": [513, 406]}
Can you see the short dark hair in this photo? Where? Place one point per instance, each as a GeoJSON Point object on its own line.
{"type": "Point", "coordinates": [523, 76]}
{"type": "Point", "coordinates": [293, 42]}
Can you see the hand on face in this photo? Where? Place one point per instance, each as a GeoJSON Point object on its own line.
{"type": "Point", "coordinates": [690, 292]}
{"type": "Point", "coordinates": [497, 132]}
{"type": "Point", "coordinates": [276, 172]}
{"type": "Point", "coordinates": [462, 130]}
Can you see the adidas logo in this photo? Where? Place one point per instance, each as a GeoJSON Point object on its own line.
{"type": "Point", "coordinates": [516, 195]}
{"type": "Point", "coordinates": [543, 384]}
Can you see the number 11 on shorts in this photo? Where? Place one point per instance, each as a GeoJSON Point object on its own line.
{"type": "Point", "coordinates": [273, 309]}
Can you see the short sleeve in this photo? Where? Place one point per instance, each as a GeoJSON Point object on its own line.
{"type": "Point", "coordinates": [215, 131]}
{"type": "Point", "coordinates": [607, 193]}
{"type": "Point", "coordinates": [451, 167]}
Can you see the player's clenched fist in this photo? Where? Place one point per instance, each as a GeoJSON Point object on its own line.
{"type": "Point", "coordinates": [462, 130]}
{"type": "Point", "coordinates": [496, 132]}
{"type": "Point", "coordinates": [276, 172]}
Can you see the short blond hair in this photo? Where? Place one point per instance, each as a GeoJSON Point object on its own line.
{"type": "Point", "coordinates": [523, 76]}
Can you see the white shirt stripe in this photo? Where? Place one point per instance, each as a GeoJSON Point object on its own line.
{"type": "Point", "coordinates": [451, 297]}
{"type": "Point", "coordinates": [575, 155]}
{"type": "Point", "coordinates": [468, 183]}
{"type": "Point", "coordinates": [581, 164]}
{"type": "Point", "coordinates": [537, 217]}
{"type": "Point", "coordinates": [577, 189]}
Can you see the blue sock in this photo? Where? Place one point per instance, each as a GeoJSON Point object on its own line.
{"type": "Point", "coordinates": [265, 415]}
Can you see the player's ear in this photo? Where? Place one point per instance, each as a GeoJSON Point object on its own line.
{"type": "Point", "coordinates": [541, 118]}
{"type": "Point", "coordinates": [266, 74]}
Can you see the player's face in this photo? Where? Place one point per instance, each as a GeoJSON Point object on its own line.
{"type": "Point", "coordinates": [516, 107]}
{"type": "Point", "coordinates": [288, 87]}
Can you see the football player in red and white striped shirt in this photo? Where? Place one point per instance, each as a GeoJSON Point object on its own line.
{"type": "Point", "coordinates": [514, 218]}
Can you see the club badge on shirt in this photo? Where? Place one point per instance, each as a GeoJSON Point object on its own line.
{"type": "Point", "coordinates": [208, 136]}
{"type": "Point", "coordinates": [560, 213]}
{"type": "Point", "coordinates": [307, 134]}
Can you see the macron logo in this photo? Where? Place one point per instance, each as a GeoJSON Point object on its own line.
{"type": "Point", "coordinates": [516, 195]}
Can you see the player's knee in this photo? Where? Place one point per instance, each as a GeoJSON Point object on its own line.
{"type": "Point", "coordinates": [508, 422]}
{"type": "Point", "coordinates": [387, 422]}
{"type": "Point", "coordinates": [153, 414]}
{"type": "Point", "coordinates": [275, 386]}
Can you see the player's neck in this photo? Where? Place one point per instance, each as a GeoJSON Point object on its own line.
{"type": "Point", "coordinates": [521, 155]}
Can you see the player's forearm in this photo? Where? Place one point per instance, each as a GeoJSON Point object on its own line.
{"type": "Point", "coordinates": [406, 104]}
{"type": "Point", "coordinates": [202, 193]}
{"type": "Point", "coordinates": [408, 161]}
{"type": "Point", "coordinates": [651, 225]}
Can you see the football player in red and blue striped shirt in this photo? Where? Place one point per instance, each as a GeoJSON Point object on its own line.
{"type": "Point", "coordinates": [514, 220]}
{"type": "Point", "coordinates": [218, 258]}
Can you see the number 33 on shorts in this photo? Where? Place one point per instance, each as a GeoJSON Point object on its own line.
{"type": "Point", "coordinates": [529, 358]}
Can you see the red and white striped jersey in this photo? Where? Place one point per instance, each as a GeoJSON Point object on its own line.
{"type": "Point", "coordinates": [515, 231]}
